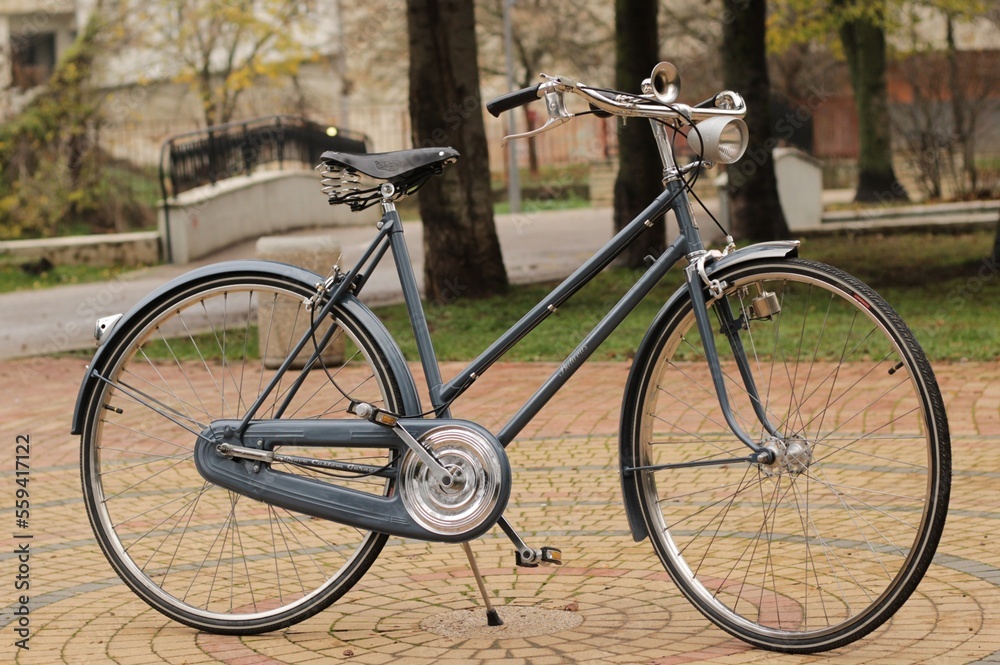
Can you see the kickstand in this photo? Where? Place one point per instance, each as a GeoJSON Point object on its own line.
{"type": "Point", "coordinates": [492, 618]}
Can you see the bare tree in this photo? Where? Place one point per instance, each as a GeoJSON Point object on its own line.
{"type": "Point", "coordinates": [753, 187]}
{"type": "Point", "coordinates": [541, 40]}
{"type": "Point", "coordinates": [951, 90]}
{"type": "Point", "coordinates": [862, 34]}
{"type": "Point", "coordinates": [223, 49]}
{"type": "Point", "coordinates": [461, 250]}
{"type": "Point", "coordinates": [639, 178]}
{"type": "Point", "coordinates": [376, 53]}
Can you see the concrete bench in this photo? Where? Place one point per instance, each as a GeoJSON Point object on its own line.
{"type": "Point", "coordinates": [313, 252]}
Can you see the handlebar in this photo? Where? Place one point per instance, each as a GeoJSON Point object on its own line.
{"type": "Point", "coordinates": [512, 100]}
{"type": "Point", "coordinates": [627, 105]}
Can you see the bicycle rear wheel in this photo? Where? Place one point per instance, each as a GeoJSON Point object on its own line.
{"type": "Point", "coordinates": [821, 547]}
{"type": "Point", "coordinates": [201, 554]}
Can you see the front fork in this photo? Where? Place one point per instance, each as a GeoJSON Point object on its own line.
{"type": "Point", "coordinates": [731, 329]}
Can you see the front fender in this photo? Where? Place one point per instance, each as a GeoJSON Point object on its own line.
{"type": "Point", "coordinates": [634, 385]}
{"type": "Point", "coordinates": [114, 337]}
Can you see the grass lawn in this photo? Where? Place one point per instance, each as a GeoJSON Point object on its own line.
{"type": "Point", "coordinates": [941, 285]}
{"type": "Point", "coordinates": [15, 278]}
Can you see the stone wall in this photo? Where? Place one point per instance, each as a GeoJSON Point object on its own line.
{"type": "Point", "coordinates": [204, 220]}
{"type": "Point", "coordinates": [113, 249]}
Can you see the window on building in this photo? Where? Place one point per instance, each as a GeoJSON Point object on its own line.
{"type": "Point", "coordinates": [33, 59]}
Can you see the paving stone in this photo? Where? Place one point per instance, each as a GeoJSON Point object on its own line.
{"type": "Point", "coordinates": [566, 493]}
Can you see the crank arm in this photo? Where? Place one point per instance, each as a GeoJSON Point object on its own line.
{"type": "Point", "coordinates": [440, 473]}
{"type": "Point", "coordinates": [373, 414]}
{"type": "Point", "coordinates": [528, 557]}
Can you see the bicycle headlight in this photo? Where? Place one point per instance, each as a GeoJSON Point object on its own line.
{"type": "Point", "coordinates": [720, 140]}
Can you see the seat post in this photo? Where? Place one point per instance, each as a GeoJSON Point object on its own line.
{"type": "Point", "coordinates": [388, 192]}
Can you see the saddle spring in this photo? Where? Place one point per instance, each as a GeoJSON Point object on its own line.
{"type": "Point", "coordinates": [342, 185]}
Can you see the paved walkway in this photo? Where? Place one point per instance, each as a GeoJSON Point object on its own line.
{"type": "Point", "coordinates": [624, 608]}
{"type": "Point", "coordinates": [536, 246]}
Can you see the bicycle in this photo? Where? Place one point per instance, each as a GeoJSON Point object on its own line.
{"type": "Point", "coordinates": [236, 404]}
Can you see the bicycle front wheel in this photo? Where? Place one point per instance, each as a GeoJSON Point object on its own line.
{"type": "Point", "coordinates": [820, 547]}
{"type": "Point", "coordinates": [201, 554]}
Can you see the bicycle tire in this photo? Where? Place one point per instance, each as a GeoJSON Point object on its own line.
{"type": "Point", "coordinates": [820, 548]}
{"type": "Point", "coordinates": [200, 554]}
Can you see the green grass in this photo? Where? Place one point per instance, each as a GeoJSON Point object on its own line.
{"type": "Point", "coordinates": [464, 328]}
{"type": "Point", "coordinates": [940, 284]}
{"type": "Point", "coordinates": [16, 278]}
{"type": "Point", "coordinates": [531, 206]}
{"type": "Point", "coordinates": [238, 344]}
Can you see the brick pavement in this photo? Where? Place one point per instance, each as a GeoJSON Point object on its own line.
{"type": "Point", "coordinates": [628, 610]}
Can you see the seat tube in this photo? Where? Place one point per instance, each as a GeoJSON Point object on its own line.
{"type": "Point", "coordinates": [414, 307]}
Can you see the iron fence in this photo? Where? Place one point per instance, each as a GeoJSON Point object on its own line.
{"type": "Point", "coordinates": [206, 156]}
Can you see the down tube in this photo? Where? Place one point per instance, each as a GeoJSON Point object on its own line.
{"type": "Point", "coordinates": [594, 338]}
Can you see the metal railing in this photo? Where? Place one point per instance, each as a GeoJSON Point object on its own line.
{"type": "Point", "coordinates": [209, 155]}
{"type": "Point", "coordinates": [206, 156]}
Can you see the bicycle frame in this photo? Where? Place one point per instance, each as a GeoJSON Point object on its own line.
{"type": "Point", "coordinates": [205, 507]}
{"type": "Point", "coordinates": [688, 245]}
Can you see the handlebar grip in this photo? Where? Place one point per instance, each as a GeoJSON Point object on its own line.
{"type": "Point", "coordinates": [512, 100]}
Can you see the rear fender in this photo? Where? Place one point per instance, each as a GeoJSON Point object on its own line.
{"type": "Point", "coordinates": [112, 339]}
{"type": "Point", "coordinates": [635, 390]}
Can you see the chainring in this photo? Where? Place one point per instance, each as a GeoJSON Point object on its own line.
{"type": "Point", "coordinates": [481, 481]}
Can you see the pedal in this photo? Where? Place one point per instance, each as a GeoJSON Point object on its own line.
{"type": "Point", "coordinates": [526, 559]}
{"type": "Point", "coordinates": [529, 558]}
{"type": "Point", "coordinates": [552, 555]}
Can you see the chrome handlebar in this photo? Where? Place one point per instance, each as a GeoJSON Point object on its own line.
{"type": "Point", "coordinates": [645, 105]}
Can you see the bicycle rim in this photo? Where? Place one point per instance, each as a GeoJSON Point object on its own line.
{"type": "Point", "coordinates": [201, 554]}
{"type": "Point", "coordinates": [822, 546]}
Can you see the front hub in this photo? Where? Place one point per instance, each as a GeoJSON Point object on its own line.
{"type": "Point", "coordinates": [791, 456]}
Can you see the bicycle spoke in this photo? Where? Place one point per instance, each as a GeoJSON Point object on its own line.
{"type": "Point", "coordinates": [198, 552]}
{"type": "Point", "coordinates": [791, 551]}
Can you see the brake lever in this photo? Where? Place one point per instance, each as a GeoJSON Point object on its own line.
{"type": "Point", "coordinates": [551, 123]}
{"type": "Point", "coordinates": [555, 104]}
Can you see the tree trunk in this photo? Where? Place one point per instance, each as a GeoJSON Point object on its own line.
{"type": "Point", "coordinates": [753, 188]}
{"type": "Point", "coordinates": [996, 247]}
{"type": "Point", "coordinates": [963, 118]}
{"type": "Point", "coordinates": [529, 124]}
{"type": "Point", "coordinates": [864, 46]}
{"type": "Point", "coordinates": [461, 250]}
{"type": "Point", "coordinates": [640, 170]}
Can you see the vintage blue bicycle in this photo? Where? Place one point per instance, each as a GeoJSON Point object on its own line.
{"type": "Point", "coordinates": [252, 435]}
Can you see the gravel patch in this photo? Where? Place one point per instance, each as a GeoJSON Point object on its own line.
{"type": "Point", "coordinates": [517, 622]}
